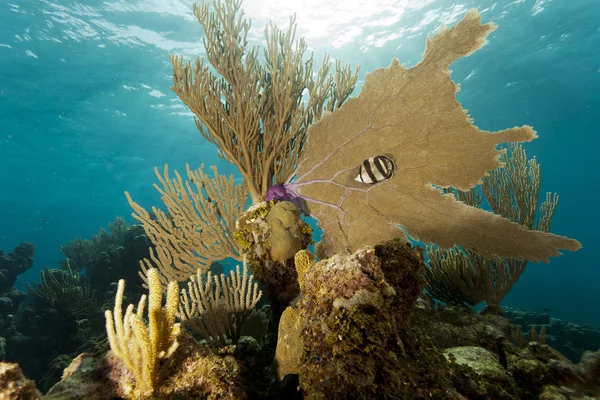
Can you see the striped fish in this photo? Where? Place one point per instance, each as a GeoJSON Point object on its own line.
{"type": "Point", "coordinates": [375, 169]}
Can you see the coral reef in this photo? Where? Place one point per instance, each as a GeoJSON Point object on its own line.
{"type": "Point", "coordinates": [80, 252]}
{"type": "Point", "coordinates": [569, 338]}
{"type": "Point", "coordinates": [193, 372]}
{"type": "Point", "coordinates": [412, 116]}
{"type": "Point", "coordinates": [11, 266]}
{"type": "Point", "coordinates": [120, 262]}
{"type": "Point", "coordinates": [44, 336]}
{"type": "Point", "coordinates": [355, 324]}
{"type": "Point", "coordinates": [359, 330]}
{"type": "Point", "coordinates": [108, 256]}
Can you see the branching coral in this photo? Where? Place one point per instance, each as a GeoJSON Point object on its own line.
{"type": "Point", "coordinates": [216, 307]}
{"type": "Point", "coordinates": [412, 116]}
{"type": "Point", "coordinates": [80, 252]}
{"type": "Point", "coordinates": [141, 346]}
{"type": "Point", "coordinates": [198, 229]}
{"type": "Point", "coordinates": [460, 276]}
{"type": "Point", "coordinates": [64, 290]}
{"type": "Point", "coordinates": [255, 113]}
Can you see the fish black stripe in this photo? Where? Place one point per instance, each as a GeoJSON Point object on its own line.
{"type": "Point", "coordinates": [367, 166]}
{"type": "Point", "coordinates": [360, 174]}
{"type": "Point", "coordinates": [383, 166]}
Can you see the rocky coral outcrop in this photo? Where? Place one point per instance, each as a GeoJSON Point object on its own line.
{"type": "Point", "coordinates": [13, 264]}
{"type": "Point", "coordinates": [14, 386]}
{"type": "Point", "coordinates": [346, 337]}
{"type": "Point", "coordinates": [270, 234]}
{"type": "Point", "coordinates": [487, 376]}
{"type": "Point", "coordinates": [485, 363]}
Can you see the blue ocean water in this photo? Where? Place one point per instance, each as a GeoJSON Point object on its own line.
{"type": "Point", "coordinates": [86, 111]}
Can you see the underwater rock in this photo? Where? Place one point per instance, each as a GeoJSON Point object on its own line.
{"type": "Point", "coordinates": [454, 326]}
{"type": "Point", "coordinates": [352, 332]}
{"type": "Point", "coordinates": [14, 386]}
{"type": "Point", "coordinates": [273, 229]}
{"type": "Point", "coordinates": [287, 229]}
{"type": "Point", "coordinates": [290, 345]}
{"type": "Point", "coordinates": [589, 367]}
{"type": "Point", "coordinates": [336, 337]}
{"type": "Point", "coordinates": [196, 372]}
{"type": "Point", "coordinates": [85, 378]}
{"type": "Point", "coordinates": [402, 265]}
{"type": "Point", "coordinates": [492, 379]}
{"type": "Point", "coordinates": [246, 347]}
{"type": "Point", "coordinates": [552, 392]}
{"type": "Point", "coordinates": [479, 374]}
{"type": "Point", "coordinates": [535, 371]}
{"type": "Point", "coordinates": [14, 264]}
{"type": "Point", "coordinates": [541, 370]}
{"type": "Point", "coordinates": [479, 359]}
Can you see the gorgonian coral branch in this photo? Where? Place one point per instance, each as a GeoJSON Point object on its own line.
{"type": "Point", "coordinates": [198, 228]}
{"type": "Point", "coordinates": [254, 110]}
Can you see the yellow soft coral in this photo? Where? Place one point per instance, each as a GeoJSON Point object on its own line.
{"type": "Point", "coordinates": [140, 347]}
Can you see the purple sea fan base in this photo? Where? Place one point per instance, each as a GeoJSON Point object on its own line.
{"type": "Point", "coordinates": [282, 192]}
{"type": "Point", "coordinates": [285, 192]}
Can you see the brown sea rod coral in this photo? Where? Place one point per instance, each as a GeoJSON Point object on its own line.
{"type": "Point", "coordinates": [253, 110]}
{"type": "Point", "coordinates": [411, 115]}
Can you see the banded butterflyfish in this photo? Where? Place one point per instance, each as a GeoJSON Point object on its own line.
{"type": "Point", "coordinates": [375, 169]}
